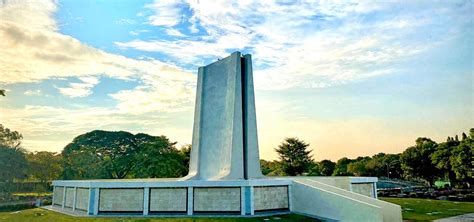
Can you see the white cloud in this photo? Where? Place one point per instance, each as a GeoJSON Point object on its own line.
{"type": "Point", "coordinates": [174, 32]}
{"type": "Point", "coordinates": [33, 92]}
{"type": "Point", "coordinates": [166, 13]}
{"type": "Point", "coordinates": [310, 44]}
{"type": "Point", "coordinates": [138, 32]}
{"type": "Point", "coordinates": [31, 55]}
{"type": "Point", "coordinates": [80, 89]}
{"type": "Point", "coordinates": [30, 13]}
{"type": "Point", "coordinates": [35, 51]}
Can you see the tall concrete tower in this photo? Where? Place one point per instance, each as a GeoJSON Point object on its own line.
{"type": "Point", "coordinates": [225, 142]}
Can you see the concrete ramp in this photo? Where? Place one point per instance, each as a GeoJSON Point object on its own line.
{"type": "Point", "coordinates": [313, 198]}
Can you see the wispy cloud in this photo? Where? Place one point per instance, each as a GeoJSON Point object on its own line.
{"type": "Point", "coordinates": [138, 32]}
{"type": "Point", "coordinates": [125, 21]}
{"type": "Point", "coordinates": [166, 13]}
{"type": "Point", "coordinates": [82, 89]}
{"type": "Point", "coordinates": [35, 51]}
{"type": "Point", "coordinates": [33, 92]}
{"type": "Point", "coordinates": [174, 32]}
{"type": "Point", "coordinates": [308, 44]}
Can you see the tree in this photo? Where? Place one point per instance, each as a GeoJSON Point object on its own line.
{"type": "Point", "coordinates": [10, 138]}
{"type": "Point", "coordinates": [44, 166]}
{"type": "Point", "coordinates": [461, 160]}
{"type": "Point", "coordinates": [2, 92]}
{"type": "Point", "coordinates": [416, 161]}
{"type": "Point", "coordinates": [271, 168]}
{"type": "Point", "coordinates": [358, 166]}
{"type": "Point", "coordinates": [160, 158]}
{"type": "Point", "coordinates": [185, 152]}
{"type": "Point", "coordinates": [384, 165]}
{"type": "Point", "coordinates": [294, 156]}
{"type": "Point", "coordinates": [392, 166]}
{"type": "Point", "coordinates": [13, 163]}
{"type": "Point", "coordinates": [326, 167]}
{"type": "Point", "coordinates": [341, 167]}
{"type": "Point", "coordinates": [102, 154]}
{"type": "Point", "coordinates": [441, 158]}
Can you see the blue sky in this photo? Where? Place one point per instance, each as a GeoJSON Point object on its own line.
{"type": "Point", "coordinates": [350, 78]}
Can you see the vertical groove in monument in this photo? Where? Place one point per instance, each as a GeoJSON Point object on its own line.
{"type": "Point", "coordinates": [244, 115]}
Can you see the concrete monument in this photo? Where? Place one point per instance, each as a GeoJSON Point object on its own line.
{"type": "Point", "coordinates": [224, 176]}
{"type": "Point", "coordinates": [225, 143]}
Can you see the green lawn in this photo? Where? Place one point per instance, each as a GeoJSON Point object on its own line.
{"type": "Point", "coordinates": [425, 209]}
{"type": "Point", "coordinates": [32, 194]}
{"type": "Point", "coordinates": [413, 209]}
{"type": "Point", "coordinates": [42, 215]}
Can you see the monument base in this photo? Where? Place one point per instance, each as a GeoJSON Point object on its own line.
{"type": "Point", "coordinates": [172, 197]}
{"type": "Point", "coordinates": [321, 197]}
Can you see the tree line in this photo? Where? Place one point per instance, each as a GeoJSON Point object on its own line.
{"type": "Point", "coordinates": [117, 155]}
{"type": "Point", "coordinates": [426, 161]}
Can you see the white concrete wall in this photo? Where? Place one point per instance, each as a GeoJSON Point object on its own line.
{"type": "Point", "coordinates": [69, 197]}
{"type": "Point", "coordinates": [388, 211]}
{"type": "Point", "coordinates": [340, 182]}
{"type": "Point", "coordinates": [58, 195]}
{"type": "Point", "coordinates": [121, 200]}
{"type": "Point", "coordinates": [270, 198]}
{"type": "Point", "coordinates": [168, 199]}
{"type": "Point", "coordinates": [318, 202]}
{"type": "Point", "coordinates": [217, 199]}
{"type": "Point", "coordinates": [366, 189]}
{"type": "Point", "coordinates": [82, 198]}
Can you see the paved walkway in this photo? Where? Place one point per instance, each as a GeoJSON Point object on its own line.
{"type": "Point", "coordinates": [460, 218]}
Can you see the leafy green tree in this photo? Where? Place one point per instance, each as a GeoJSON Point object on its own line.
{"type": "Point", "coordinates": [357, 168]}
{"type": "Point", "coordinates": [271, 168]}
{"type": "Point", "coordinates": [158, 159]}
{"type": "Point", "coordinates": [294, 156]}
{"type": "Point", "coordinates": [392, 166]}
{"type": "Point", "coordinates": [461, 160]}
{"type": "Point", "coordinates": [84, 164]}
{"type": "Point", "coordinates": [10, 138]}
{"type": "Point", "coordinates": [384, 165]}
{"type": "Point", "coordinates": [326, 167]}
{"type": "Point", "coordinates": [13, 163]}
{"type": "Point", "coordinates": [341, 167]}
{"type": "Point", "coordinates": [44, 166]}
{"type": "Point", "coordinates": [416, 161]}
{"type": "Point", "coordinates": [265, 166]}
{"type": "Point", "coordinates": [185, 152]}
{"type": "Point", "coordinates": [441, 158]}
{"type": "Point", "coordinates": [2, 92]}
{"type": "Point", "coordinates": [314, 169]}
{"type": "Point", "coordinates": [104, 154]}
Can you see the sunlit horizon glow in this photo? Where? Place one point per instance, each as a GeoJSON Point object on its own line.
{"type": "Point", "coordinates": [352, 79]}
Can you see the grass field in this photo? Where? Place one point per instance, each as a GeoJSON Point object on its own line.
{"type": "Point", "coordinates": [32, 194]}
{"type": "Point", "coordinates": [426, 209]}
{"type": "Point", "coordinates": [42, 215]}
{"type": "Point", "coordinates": [413, 210]}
